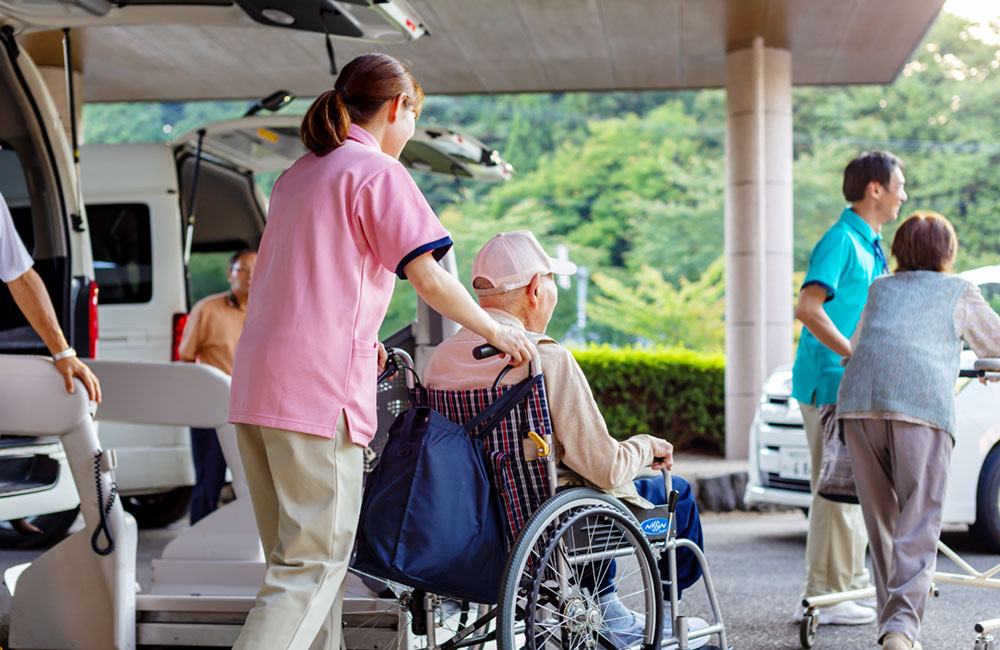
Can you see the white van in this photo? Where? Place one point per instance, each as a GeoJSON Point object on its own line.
{"type": "Point", "coordinates": [138, 199]}
{"type": "Point", "coordinates": [38, 182]}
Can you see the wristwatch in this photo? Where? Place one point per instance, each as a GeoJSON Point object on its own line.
{"type": "Point", "coordinates": [65, 354]}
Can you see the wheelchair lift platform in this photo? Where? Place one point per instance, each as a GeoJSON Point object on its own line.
{"type": "Point", "coordinates": [75, 598]}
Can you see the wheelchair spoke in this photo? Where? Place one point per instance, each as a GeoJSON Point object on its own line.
{"type": "Point", "coordinates": [606, 564]}
{"type": "Point", "coordinates": [376, 618]}
{"type": "Point", "coordinates": [375, 614]}
{"type": "Point", "coordinates": [560, 559]}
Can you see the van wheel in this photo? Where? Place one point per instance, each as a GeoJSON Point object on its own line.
{"type": "Point", "coordinates": [158, 509]}
{"type": "Point", "coordinates": [53, 526]}
{"type": "Point", "coordinates": [987, 527]}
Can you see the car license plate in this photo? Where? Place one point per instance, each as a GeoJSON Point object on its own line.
{"type": "Point", "coordinates": [794, 464]}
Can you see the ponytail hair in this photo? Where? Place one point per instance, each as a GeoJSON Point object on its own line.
{"type": "Point", "coordinates": [363, 87]}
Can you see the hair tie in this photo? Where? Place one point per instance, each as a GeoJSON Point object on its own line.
{"type": "Point", "coordinates": [342, 93]}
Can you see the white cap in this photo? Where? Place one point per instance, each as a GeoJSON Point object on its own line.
{"type": "Point", "coordinates": [511, 259]}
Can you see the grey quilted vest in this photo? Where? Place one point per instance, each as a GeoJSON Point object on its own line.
{"type": "Point", "coordinates": [908, 356]}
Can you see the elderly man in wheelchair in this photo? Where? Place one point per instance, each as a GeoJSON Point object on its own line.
{"type": "Point", "coordinates": [513, 278]}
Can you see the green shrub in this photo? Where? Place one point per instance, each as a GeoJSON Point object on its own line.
{"type": "Point", "coordinates": [674, 393]}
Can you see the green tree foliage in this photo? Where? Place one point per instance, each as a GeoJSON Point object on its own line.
{"type": "Point", "coordinates": [209, 274]}
{"type": "Point", "coordinates": [637, 191]}
{"type": "Point", "coordinates": [940, 116]}
{"type": "Point", "coordinates": [690, 315]}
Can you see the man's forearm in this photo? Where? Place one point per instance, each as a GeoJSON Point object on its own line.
{"type": "Point", "coordinates": [812, 314]}
{"type": "Point", "coordinates": [820, 325]}
{"type": "Point", "coordinates": [32, 299]}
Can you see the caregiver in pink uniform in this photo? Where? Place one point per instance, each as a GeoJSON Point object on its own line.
{"type": "Point", "coordinates": [342, 221]}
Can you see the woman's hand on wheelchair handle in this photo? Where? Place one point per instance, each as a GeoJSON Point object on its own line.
{"type": "Point", "coordinates": [663, 455]}
{"type": "Point", "coordinates": [514, 344]}
{"type": "Point", "coordinates": [387, 368]}
{"type": "Point", "coordinates": [382, 357]}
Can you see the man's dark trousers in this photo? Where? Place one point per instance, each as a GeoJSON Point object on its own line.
{"type": "Point", "coordinates": [209, 472]}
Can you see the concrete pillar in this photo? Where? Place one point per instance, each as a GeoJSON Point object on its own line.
{"type": "Point", "coordinates": [758, 240]}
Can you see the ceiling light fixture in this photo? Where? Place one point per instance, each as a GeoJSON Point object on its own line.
{"type": "Point", "coordinates": [277, 16]}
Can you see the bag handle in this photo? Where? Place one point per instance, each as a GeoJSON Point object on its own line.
{"type": "Point", "coordinates": [499, 409]}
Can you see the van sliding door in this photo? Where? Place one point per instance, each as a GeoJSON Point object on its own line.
{"type": "Point", "coordinates": [30, 185]}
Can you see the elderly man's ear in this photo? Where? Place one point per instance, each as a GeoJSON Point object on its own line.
{"type": "Point", "coordinates": [534, 289]}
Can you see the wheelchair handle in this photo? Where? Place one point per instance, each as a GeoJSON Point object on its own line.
{"type": "Point", "coordinates": [485, 351]}
{"type": "Point", "coordinates": [391, 367]}
{"type": "Point", "coordinates": [982, 368]}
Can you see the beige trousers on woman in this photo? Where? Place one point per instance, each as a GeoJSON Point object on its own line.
{"type": "Point", "coordinates": [306, 494]}
{"type": "Point", "coordinates": [901, 472]}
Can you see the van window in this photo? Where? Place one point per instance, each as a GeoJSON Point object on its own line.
{"type": "Point", "coordinates": [120, 238]}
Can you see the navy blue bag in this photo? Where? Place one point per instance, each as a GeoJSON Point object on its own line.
{"type": "Point", "coordinates": [429, 518]}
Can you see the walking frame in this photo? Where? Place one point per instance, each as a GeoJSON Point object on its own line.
{"type": "Point", "coordinates": [990, 579]}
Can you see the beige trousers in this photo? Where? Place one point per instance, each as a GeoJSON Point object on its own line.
{"type": "Point", "coordinates": [901, 471]}
{"type": "Point", "coordinates": [306, 494]}
{"type": "Point", "coordinates": [836, 542]}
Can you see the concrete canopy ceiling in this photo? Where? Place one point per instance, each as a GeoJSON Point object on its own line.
{"type": "Point", "coordinates": [500, 46]}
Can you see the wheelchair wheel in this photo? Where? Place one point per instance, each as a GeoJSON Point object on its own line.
{"type": "Point", "coordinates": [547, 597]}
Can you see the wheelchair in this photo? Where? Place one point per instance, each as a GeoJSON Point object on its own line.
{"type": "Point", "coordinates": [560, 543]}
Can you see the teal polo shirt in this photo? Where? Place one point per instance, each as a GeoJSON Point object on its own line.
{"type": "Point", "coordinates": [844, 262]}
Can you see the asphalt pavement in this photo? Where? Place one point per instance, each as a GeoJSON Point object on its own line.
{"type": "Point", "coordinates": [757, 562]}
{"type": "Point", "coordinates": [758, 565]}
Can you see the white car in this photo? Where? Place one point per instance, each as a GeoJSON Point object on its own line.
{"type": "Point", "coordinates": [779, 456]}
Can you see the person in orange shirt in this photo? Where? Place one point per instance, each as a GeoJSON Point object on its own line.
{"type": "Point", "coordinates": [210, 337]}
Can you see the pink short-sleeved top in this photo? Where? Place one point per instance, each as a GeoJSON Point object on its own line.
{"type": "Point", "coordinates": [339, 226]}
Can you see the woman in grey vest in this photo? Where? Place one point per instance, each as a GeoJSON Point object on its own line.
{"type": "Point", "coordinates": [897, 405]}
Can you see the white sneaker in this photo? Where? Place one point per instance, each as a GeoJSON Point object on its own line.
{"type": "Point", "coordinates": [694, 624]}
{"type": "Point", "coordinates": [622, 626]}
{"type": "Point", "coordinates": [846, 613]}
{"type": "Point", "coordinates": [871, 603]}
{"type": "Point", "coordinates": [625, 628]}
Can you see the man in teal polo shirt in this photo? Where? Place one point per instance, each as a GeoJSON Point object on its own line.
{"type": "Point", "coordinates": [841, 267]}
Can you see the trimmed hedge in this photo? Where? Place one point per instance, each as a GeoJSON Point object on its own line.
{"type": "Point", "coordinates": [673, 393]}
